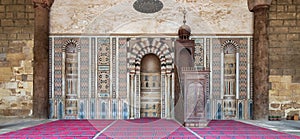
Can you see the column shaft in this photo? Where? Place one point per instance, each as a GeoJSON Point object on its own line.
{"type": "Point", "coordinates": [260, 63]}
{"type": "Point", "coordinates": [41, 62]}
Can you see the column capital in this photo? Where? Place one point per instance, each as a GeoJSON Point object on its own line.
{"type": "Point", "coordinates": [43, 3]}
{"type": "Point", "coordinates": [254, 4]}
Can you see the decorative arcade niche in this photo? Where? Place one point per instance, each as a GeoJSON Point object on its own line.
{"type": "Point", "coordinates": [71, 82]}
{"type": "Point", "coordinates": [230, 72]}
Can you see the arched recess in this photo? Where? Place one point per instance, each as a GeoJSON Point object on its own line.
{"type": "Point", "coordinates": [162, 49]}
{"type": "Point", "coordinates": [230, 56]}
{"type": "Point", "coordinates": [71, 54]}
{"type": "Point", "coordinates": [150, 86]}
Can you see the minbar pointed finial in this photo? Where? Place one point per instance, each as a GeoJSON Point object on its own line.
{"type": "Point", "coordinates": [184, 14]}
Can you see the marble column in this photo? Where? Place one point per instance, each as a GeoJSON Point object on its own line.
{"type": "Point", "coordinates": [41, 58]}
{"type": "Point", "coordinates": [260, 9]}
{"type": "Point", "coordinates": [132, 94]}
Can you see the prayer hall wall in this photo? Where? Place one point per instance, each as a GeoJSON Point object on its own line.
{"type": "Point", "coordinates": [110, 37]}
{"type": "Point", "coordinates": [16, 55]}
{"type": "Point", "coordinates": [284, 57]}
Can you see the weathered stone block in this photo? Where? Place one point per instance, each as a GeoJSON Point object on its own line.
{"type": "Point", "coordinates": [286, 106]}
{"type": "Point", "coordinates": [7, 2]}
{"type": "Point", "coordinates": [285, 15]}
{"type": "Point", "coordinates": [276, 71]}
{"type": "Point", "coordinates": [13, 8]}
{"type": "Point", "coordinates": [296, 78]}
{"type": "Point", "coordinates": [273, 37]}
{"type": "Point", "coordinates": [290, 23]}
{"type": "Point", "coordinates": [284, 1]}
{"type": "Point", "coordinates": [275, 105]}
{"type": "Point", "coordinates": [7, 22]}
{"type": "Point", "coordinates": [296, 106]}
{"type": "Point", "coordinates": [276, 23]}
{"type": "Point", "coordinates": [2, 57]}
{"type": "Point", "coordinates": [2, 16]}
{"type": "Point", "coordinates": [27, 30]}
{"type": "Point", "coordinates": [279, 29]}
{"type": "Point", "coordinates": [294, 29]}
{"type": "Point", "coordinates": [291, 8]}
{"type": "Point", "coordinates": [2, 8]}
{"type": "Point", "coordinates": [279, 86]}
{"type": "Point", "coordinates": [5, 70]}
{"type": "Point", "coordinates": [3, 36]}
{"type": "Point", "coordinates": [15, 58]}
{"type": "Point", "coordinates": [294, 86]}
{"type": "Point", "coordinates": [6, 77]}
{"type": "Point", "coordinates": [289, 71]}
{"type": "Point", "coordinates": [285, 92]}
{"type": "Point", "coordinates": [9, 15]}
{"type": "Point", "coordinates": [286, 79]}
{"type": "Point", "coordinates": [13, 105]}
{"type": "Point", "coordinates": [296, 2]}
{"type": "Point", "coordinates": [30, 16]}
{"type": "Point", "coordinates": [23, 36]}
{"type": "Point", "coordinates": [282, 37]}
{"type": "Point", "coordinates": [29, 8]}
{"type": "Point", "coordinates": [276, 62]}
{"type": "Point", "coordinates": [276, 112]}
{"type": "Point", "coordinates": [15, 112]}
{"type": "Point", "coordinates": [29, 77]}
{"type": "Point", "coordinates": [18, 77]}
{"type": "Point", "coordinates": [11, 30]}
{"type": "Point", "coordinates": [273, 93]}
{"type": "Point", "coordinates": [280, 8]}
{"type": "Point", "coordinates": [292, 36]}
{"type": "Point", "coordinates": [11, 85]}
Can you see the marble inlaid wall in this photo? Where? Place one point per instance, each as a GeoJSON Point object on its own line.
{"type": "Point", "coordinates": [119, 16]}
{"type": "Point", "coordinates": [104, 85]}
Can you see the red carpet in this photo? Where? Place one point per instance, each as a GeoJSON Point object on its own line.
{"type": "Point", "coordinates": [143, 129]}
{"type": "Point", "coordinates": [229, 129]}
{"type": "Point", "coordinates": [146, 129]}
{"type": "Point", "coordinates": [62, 129]}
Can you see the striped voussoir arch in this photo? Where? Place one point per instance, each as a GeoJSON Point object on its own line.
{"type": "Point", "coordinates": [158, 46]}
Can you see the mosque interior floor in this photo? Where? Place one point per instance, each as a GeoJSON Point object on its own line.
{"type": "Point", "coordinates": [286, 126]}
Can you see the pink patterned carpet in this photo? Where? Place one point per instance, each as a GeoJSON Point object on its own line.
{"type": "Point", "coordinates": [230, 129]}
{"type": "Point", "coordinates": [149, 128]}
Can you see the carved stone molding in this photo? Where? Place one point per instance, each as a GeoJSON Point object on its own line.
{"type": "Point", "coordinates": [252, 4]}
{"type": "Point", "coordinates": [43, 3]}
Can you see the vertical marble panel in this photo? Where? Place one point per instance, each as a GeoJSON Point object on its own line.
{"type": "Point", "coordinates": [216, 68]}
{"type": "Point", "coordinates": [84, 67]}
{"type": "Point", "coordinates": [58, 42]}
{"type": "Point", "coordinates": [113, 67]}
{"type": "Point", "coordinates": [103, 63]}
{"type": "Point", "coordinates": [199, 53]}
{"type": "Point", "coordinates": [243, 64]}
{"type": "Point", "coordinates": [208, 61]}
{"type": "Point", "coordinates": [122, 61]}
{"type": "Point", "coordinates": [50, 69]}
{"type": "Point", "coordinates": [92, 68]}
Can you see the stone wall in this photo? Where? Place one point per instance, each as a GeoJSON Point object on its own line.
{"type": "Point", "coordinates": [284, 96]}
{"type": "Point", "coordinates": [284, 36]}
{"type": "Point", "coordinates": [16, 55]}
{"type": "Point", "coordinates": [284, 52]}
{"type": "Point", "coordinates": [119, 16]}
